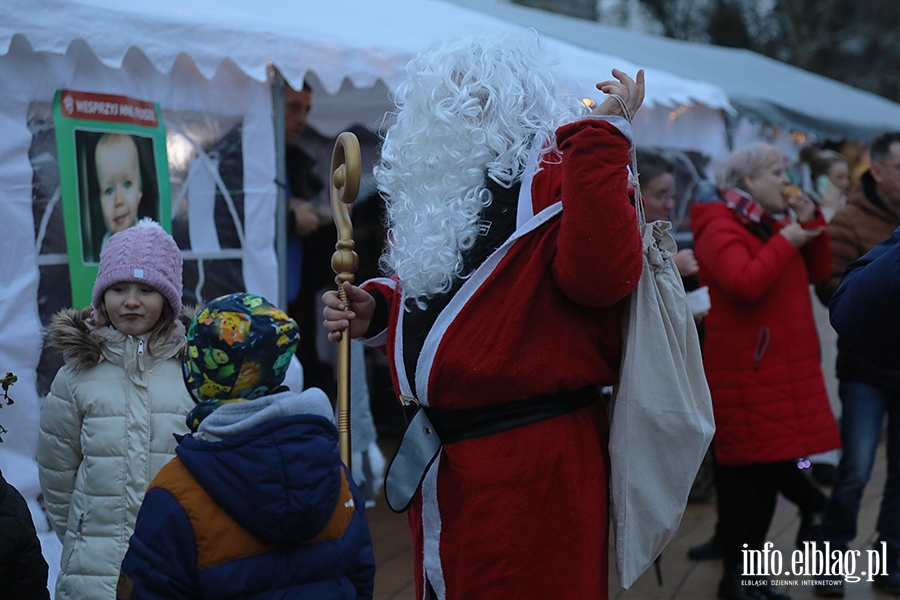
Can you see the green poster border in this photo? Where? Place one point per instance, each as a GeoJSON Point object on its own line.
{"type": "Point", "coordinates": [84, 274]}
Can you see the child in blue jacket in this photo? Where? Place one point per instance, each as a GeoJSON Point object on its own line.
{"type": "Point", "coordinates": [257, 503]}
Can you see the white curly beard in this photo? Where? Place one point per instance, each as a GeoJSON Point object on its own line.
{"type": "Point", "coordinates": [470, 108]}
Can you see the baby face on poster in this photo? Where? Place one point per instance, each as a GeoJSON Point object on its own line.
{"type": "Point", "coordinates": [119, 176]}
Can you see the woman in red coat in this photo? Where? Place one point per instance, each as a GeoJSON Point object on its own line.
{"type": "Point", "coordinates": [758, 251]}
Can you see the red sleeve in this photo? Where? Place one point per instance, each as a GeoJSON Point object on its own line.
{"type": "Point", "coordinates": [598, 260]}
{"type": "Point", "coordinates": [386, 292]}
{"type": "Point", "coordinates": [817, 252]}
{"type": "Point", "coordinates": [724, 254]}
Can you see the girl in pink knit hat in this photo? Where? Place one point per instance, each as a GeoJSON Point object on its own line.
{"type": "Point", "coordinates": [107, 424]}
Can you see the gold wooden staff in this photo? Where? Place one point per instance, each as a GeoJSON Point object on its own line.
{"type": "Point", "coordinates": [345, 173]}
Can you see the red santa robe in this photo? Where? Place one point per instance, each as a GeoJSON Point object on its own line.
{"type": "Point", "coordinates": [524, 513]}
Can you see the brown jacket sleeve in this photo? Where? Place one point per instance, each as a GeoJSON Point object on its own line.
{"type": "Point", "coordinates": [845, 248]}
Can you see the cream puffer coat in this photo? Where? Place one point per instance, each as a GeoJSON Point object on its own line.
{"type": "Point", "coordinates": [106, 430]}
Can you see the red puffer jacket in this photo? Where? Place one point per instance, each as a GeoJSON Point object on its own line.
{"type": "Point", "coordinates": [761, 352]}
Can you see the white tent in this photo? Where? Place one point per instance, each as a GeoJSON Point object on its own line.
{"type": "Point", "coordinates": [208, 64]}
{"type": "Point", "coordinates": [357, 44]}
{"type": "Point", "coordinates": [759, 87]}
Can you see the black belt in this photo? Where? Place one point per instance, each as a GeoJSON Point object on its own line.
{"type": "Point", "coordinates": [430, 428]}
{"type": "Point", "coordinates": [456, 425]}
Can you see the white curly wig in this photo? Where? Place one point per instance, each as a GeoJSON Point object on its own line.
{"type": "Point", "coordinates": [470, 108]}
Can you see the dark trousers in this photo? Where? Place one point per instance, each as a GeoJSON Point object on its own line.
{"type": "Point", "coordinates": [865, 408]}
{"type": "Point", "coordinates": [746, 500]}
{"type": "Point", "coordinates": [792, 484]}
{"type": "Point", "coordinates": [796, 487]}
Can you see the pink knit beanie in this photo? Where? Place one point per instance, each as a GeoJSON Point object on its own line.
{"type": "Point", "coordinates": [144, 253]}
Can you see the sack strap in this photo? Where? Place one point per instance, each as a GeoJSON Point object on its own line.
{"type": "Point", "coordinates": [633, 178]}
{"type": "Point", "coordinates": [465, 424]}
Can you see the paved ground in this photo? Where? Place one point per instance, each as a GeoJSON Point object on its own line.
{"type": "Point", "coordinates": [682, 578]}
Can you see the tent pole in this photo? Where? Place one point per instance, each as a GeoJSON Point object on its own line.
{"type": "Point", "coordinates": [276, 82]}
{"type": "Point", "coordinates": [731, 124]}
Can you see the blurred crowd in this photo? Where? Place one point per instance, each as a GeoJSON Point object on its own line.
{"type": "Point", "coordinates": [764, 232]}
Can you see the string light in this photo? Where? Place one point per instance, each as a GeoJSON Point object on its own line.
{"type": "Point", "coordinates": [678, 112]}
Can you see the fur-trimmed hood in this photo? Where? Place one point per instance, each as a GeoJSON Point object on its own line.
{"type": "Point", "coordinates": [81, 345]}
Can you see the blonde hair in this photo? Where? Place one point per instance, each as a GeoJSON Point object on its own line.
{"type": "Point", "coordinates": [747, 162]}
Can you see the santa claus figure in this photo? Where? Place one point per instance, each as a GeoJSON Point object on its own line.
{"type": "Point", "coordinates": [512, 246]}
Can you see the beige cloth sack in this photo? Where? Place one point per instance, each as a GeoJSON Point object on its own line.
{"type": "Point", "coordinates": [662, 418]}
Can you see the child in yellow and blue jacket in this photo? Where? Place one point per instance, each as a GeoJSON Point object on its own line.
{"type": "Point", "coordinates": [257, 503]}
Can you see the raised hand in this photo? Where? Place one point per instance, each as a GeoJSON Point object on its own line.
{"type": "Point", "coordinates": [686, 263]}
{"type": "Point", "coordinates": [803, 207]}
{"type": "Point", "coordinates": [631, 91]}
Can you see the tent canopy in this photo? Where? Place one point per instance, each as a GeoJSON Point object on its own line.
{"type": "Point", "coordinates": [351, 45]}
{"type": "Point", "coordinates": [758, 87]}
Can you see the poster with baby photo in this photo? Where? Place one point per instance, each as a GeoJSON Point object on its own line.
{"type": "Point", "coordinates": [113, 171]}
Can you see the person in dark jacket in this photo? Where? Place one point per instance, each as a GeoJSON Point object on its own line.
{"type": "Point", "coordinates": [257, 503]}
{"type": "Point", "coordinates": [23, 570]}
{"type": "Point", "coordinates": [311, 237]}
{"type": "Point", "coordinates": [869, 389]}
{"type": "Point", "coordinates": [864, 307]}
{"type": "Point", "coordinates": [864, 313]}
